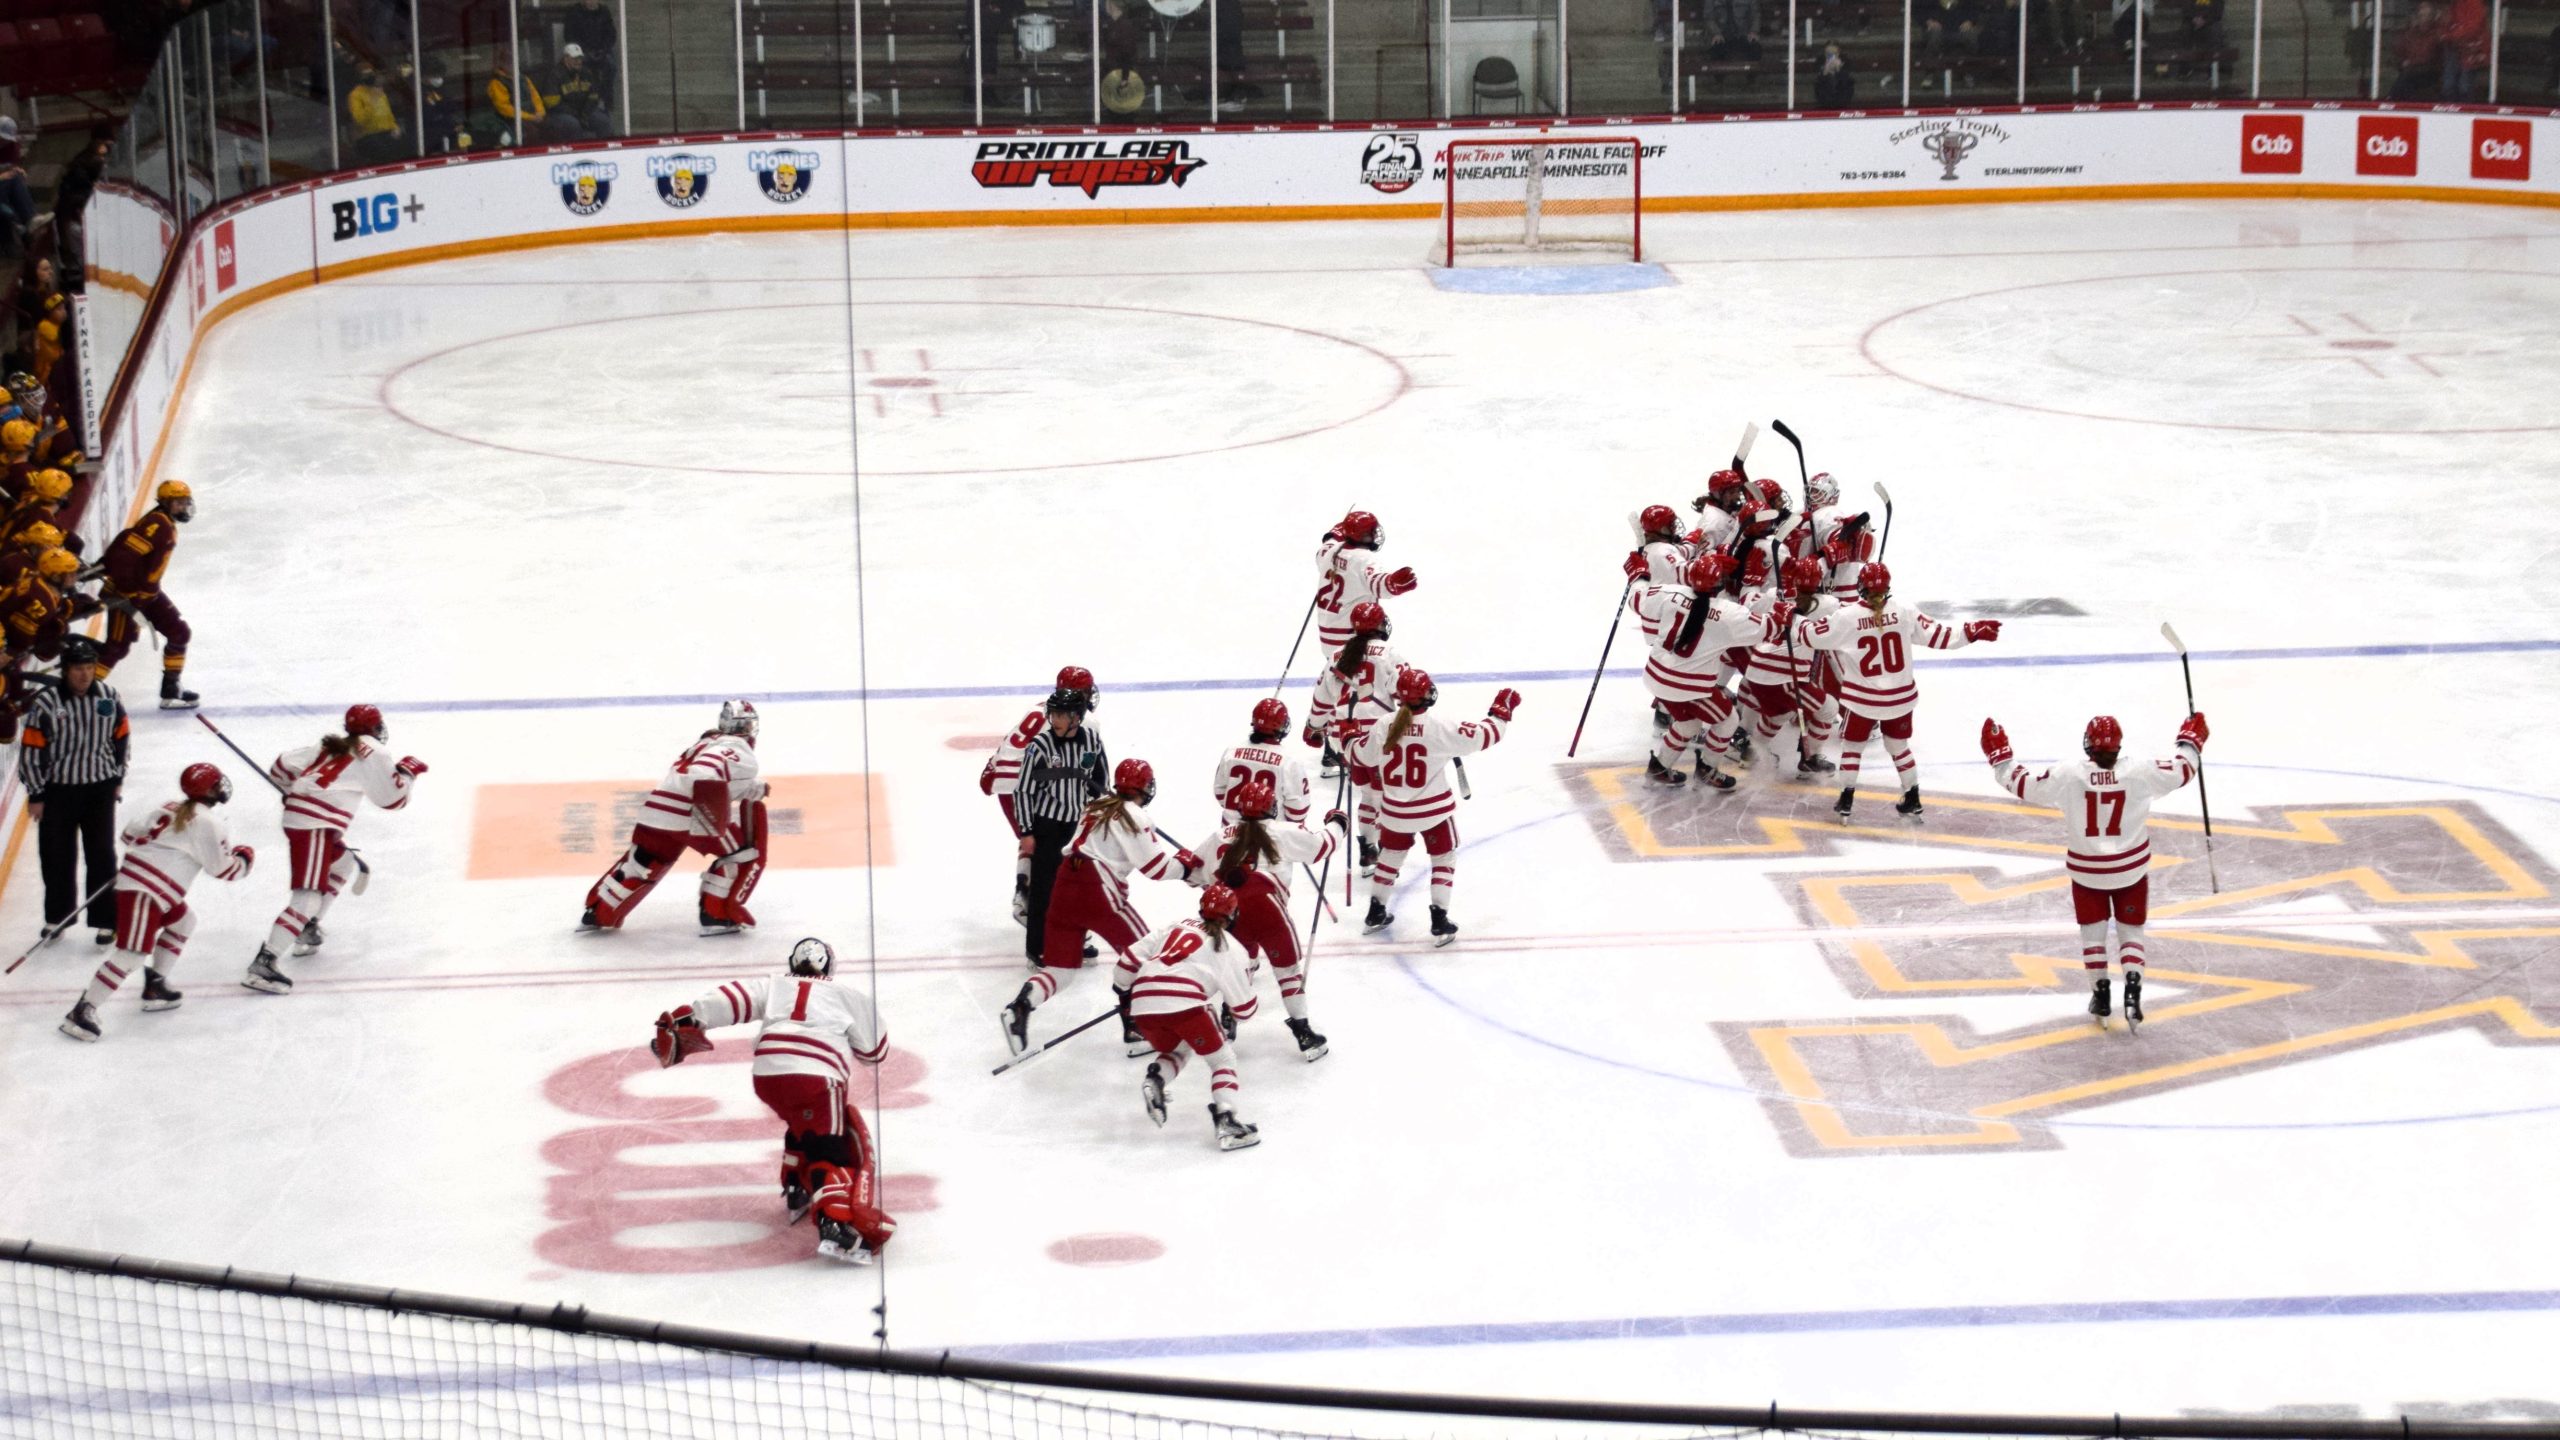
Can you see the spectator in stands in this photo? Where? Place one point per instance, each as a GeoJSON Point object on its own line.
{"type": "Point", "coordinates": [52, 334]}
{"type": "Point", "coordinates": [441, 120]}
{"type": "Point", "coordinates": [1949, 27]}
{"type": "Point", "coordinates": [579, 108]}
{"type": "Point", "coordinates": [1834, 88]}
{"type": "Point", "coordinates": [17, 201]}
{"type": "Point", "coordinates": [71, 205]}
{"type": "Point", "coordinates": [1999, 33]}
{"type": "Point", "coordinates": [1124, 39]}
{"type": "Point", "coordinates": [2466, 49]}
{"type": "Point", "coordinates": [2419, 51]}
{"type": "Point", "coordinates": [1733, 29]}
{"type": "Point", "coordinates": [1233, 92]}
{"type": "Point", "coordinates": [589, 27]}
{"type": "Point", "coordinates": [502, 98]}
{"type": "Point", "coordinates": [377, 138]}
{"type": "Point", "coordinates": [2065, 26]}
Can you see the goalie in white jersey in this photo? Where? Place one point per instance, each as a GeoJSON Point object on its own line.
{"type": "Point", "coordinates": [1412, 753]}
{"type": "Point", "coordinates": [1875, 639]}
{"type": "Point", "coordinates": [324, 785]}
{"type": "Point", "coordinates": [811, 1032]}
{"type": "Point", "coordinates": [1263, 757]}
{"type": "Point", "coordinates": [1173, 985]}
{"type": "Point", "coordinates": [712, 800]}
{"type": "Point", "coordinates": [165, 850]}
{"type": "Point", "coordinates": [2106, 813]}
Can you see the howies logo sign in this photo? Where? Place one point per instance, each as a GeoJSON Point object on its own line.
{"type": "Point", "coordinates": [586, 186]}
{"type": "Point", "coordinates": [784, 174]}
{"type": "Point", "coordinates": [1392, 164]}
{"type": "Point", "coordinates": [1086, 165]}
{"type": "Point", "coordinates": [682, 179]}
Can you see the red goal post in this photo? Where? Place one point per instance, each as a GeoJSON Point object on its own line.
{"type": "Point", "coordinates": [1511, 194]}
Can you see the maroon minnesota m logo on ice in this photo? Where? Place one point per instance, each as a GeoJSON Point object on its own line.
{"type": "Point", "coordinates": [2338, 927]}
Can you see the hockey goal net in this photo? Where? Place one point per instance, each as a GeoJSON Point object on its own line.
{"type": "Point", "coordinates": [1537, 193]}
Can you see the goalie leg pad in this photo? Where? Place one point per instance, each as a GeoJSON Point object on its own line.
{"type": "Point", "coordinates": [728, 884]}
{"type": "Point", "coordinates": [845, 1196]}
{"type": "Point", "coordinates": [627, 883]}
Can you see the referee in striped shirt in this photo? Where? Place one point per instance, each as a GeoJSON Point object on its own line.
{"type": "Point", "coordinates": [1063, 768]}
{"type": "Point", "coordinates": [71, 760]}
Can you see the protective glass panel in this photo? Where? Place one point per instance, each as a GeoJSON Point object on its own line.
{"type": "Point", "coordinates": [377, 81]}
{"type": "Point", "coordinates": [1848, 53]}
{"type": "Point", "coordinates": [2066, 41]}
{"type": "Point", "coordinates": [300, 129]}
{"type": "Point", "coordinates": [195, 93]}
{"type": "Point", "coordinates": [1386, 59]}
{"type": "Point", "coordinates": [462, 44]}
{"type": "Point", "coordinates": [231, 42]}
{"type": "Point", "coordinates": [2528, 53]}
{"type": "Point", "coordinates": [1505, 58]}
{"type": "Point", "coordinates": [1732, 55]}
{"type": "Point", "coordinates": [2186, 53]}
{"type": "Point", "coordinates": [917, 60]}
{"type": "Point", "coordinates": [2436, 50]}
{"type": "Point", "coordinates": [1619, 58]}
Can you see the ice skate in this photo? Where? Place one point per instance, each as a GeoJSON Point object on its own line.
{"type": "Point", "coordinates": [1332, 768]}
{"type": "Point", "coordinates": [263, 974]}
{"type": "Point", "coordinates": [1233, 1134]}
{"type": "Point", "coordinates": [2132, 1000]}
{"type": "Point", "coordinates": [2098, 1001]}
{"type": "Point", "coordinates": [82, 1022]}
{"type": "Point", "coordinates": [1311, 1046]}
{"type": "Point", "coordinates": [1713, 778]}
{"type": "Point", "coordinates": [1848, 799]}
{"type": "Point", "coordinates": [1378, 918]}
{"type": "Point", "coordinates": [1443, 929]}
{"type": "Point", "coordinates": [1368, 854]}
{"type": "Point", "coordinates": [718, 924]}
{"type": "Point", "coordinates": [309, 940]}
{"type": "Point", "coordinates": [157, 994]}
{"type": "Point", "coordinates": [795, 1199]}
{"type": "Point", "coordinates": [839, 1242]}
{"type": "Point", "coordinates": [1152, 1092]}
{"type": "Point", "coordinates": [105, 935]}
{"type": "Point", "coordinates": [1017, 1022]}
{"type": "Point", "coordinates": [173, 698]}
{"type": "Point", "coordinates": [1661, 774]}
{"type": "Point", "coordinates": [1810, 762]}
{"type": "Point", "coordinates": [587, 920]}
{"type": "Point", "coordinates": [1742, 751]}
{"type": "Point", "coordinates": [1909, 809]}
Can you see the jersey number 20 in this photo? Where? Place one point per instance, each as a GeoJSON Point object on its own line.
{"type": "Point", "coordinates": [1880, 654]}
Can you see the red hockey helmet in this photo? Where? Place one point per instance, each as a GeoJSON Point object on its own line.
{"type": "Point", "coordinates": [1076, 677]}
{"type": "Point", "coordinates": [1218, 903]}
{"type": "Point", "coordinates": [204, 783]}
{"type": "Point", "coordinates": [367, 720]}
{"type": "Point", "coordinates": [1369, 618]}
{"type": "Point", "coordinates": [1134, 780]}
{"type": "Point", "coordinates": [1874, 579]}
{"type": "Point", "coordinates": [1660, 522]}
{"type": "Point", "coordinates": [1801, 576]}
{"type": "Point", "coordinates": [1414, 689]}
{"type": "Point", "coordinates": [1361, 528]}
{"type": "Point", "coordinates": [2103, 735]}
{"type": "Point", "coordinates": [1708, 571]}
{"type": "Point", "coordinates": [1725, 490]}
{"type": "Point", "coordinates": [1773, 496]}
{"type": "Point", "coordinates": [1270, 716]}
{"type": "Point", "coordinates": [1253, 799]}
{"type": "Point", "coordinates": [1755, 569]}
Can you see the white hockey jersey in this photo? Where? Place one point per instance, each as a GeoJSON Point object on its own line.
{"type": "Point", "coordinates": [1840, 578]}
{"type": "Point", "coordinates": [323, 792]}
{"type": "Point", "coordinates": [1297, 845]}
{"type": "Point", "coordinates": [1002, 774]}
{"type": "Point", "coordinates": [1345, 576]}
{"type": "Point", "coordinates": [2106, 814]}
{"type": "Point", "coordinates": [1119, 851]}
{"type": "Point", "coordinates": [1663, 559]}
{"type": "Point", "coordinates": [1673, 672]}
{"type": "Point", "coordinates": [161, 860]}
{"type": "Point", "coordinates": [1241, 764]}
{"type": "Point", "coordinates": [1177, 968]}
{"type": "Point", "coordinates": [1875, 653]}
{"type": "Point", "coordinates": [701, 794]}
{"type": "Point", "coordinates": [1772, 662]}
{"type": "Point", "coordinates": [1413, 772]}
{"type": "Point", "coordinates": [1366, 695]}
{"type": "Point", "coordinates": [811, 1026]}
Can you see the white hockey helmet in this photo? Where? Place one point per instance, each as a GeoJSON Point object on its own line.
{"type": "Point", "coordinates": [738, 717]}
{"type": "Point", "coordinates": [1820, 491]}
{"type": "Point", "coordinates": [813, 956]}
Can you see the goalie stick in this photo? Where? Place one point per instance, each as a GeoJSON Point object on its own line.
{"type": "Point", "coordinates": [2203, 797]}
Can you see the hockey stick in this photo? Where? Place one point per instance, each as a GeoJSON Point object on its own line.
{"type": "Point", "coordinates": [1027, 1056]}
{"type": "Point", "coordinates": [1465, 790]}
{"type": "Point", "coordinates": [1887, 537]}
{"type": "Point", "coordinates": [364, 872]}
{"type": "Point", "coordinates": [1789, 436]}
{"type": "Point", "coordinates": [2203, 797]}
{"type": "Point", "coordinates": [59, 926]}
{"type": "Point", "coordinates": [1742, 447]}
{"type": "Point", "coordinates": [1615, 616]}
{"type": "Point", "coordinates": [1303, 623]}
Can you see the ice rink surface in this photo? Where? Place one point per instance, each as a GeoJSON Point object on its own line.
{"type": "Point", "coordinates": [1715, 1100]}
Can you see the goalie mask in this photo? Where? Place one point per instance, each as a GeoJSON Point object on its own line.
{"type": "Point", "coordinates": [738, 717]}
{"type": "Point", "coordinates": [813, 957]}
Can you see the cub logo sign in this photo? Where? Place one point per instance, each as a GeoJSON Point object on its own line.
{"type": "Point", "coordinates": [226, 259]}
{"type": "Point", "coordinates": [2270, 144]}
{"type": "Point", "coordinates": [586, 186]}
{"type": "Point", "coordinates": [2501, 149]}
{"type": "Point", "coordinates": [783, 174]}
{"type": "Point", "coordinates": [683, 180]}
{"type": "Point", "coordinates": [2387, 145]}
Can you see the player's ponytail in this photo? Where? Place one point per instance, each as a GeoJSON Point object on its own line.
{"type": "Point", "coordinates": [1400, 726]}
{"type": "Point", "coordinates": [1355, 653]}
{"type": "Point", "coordinates": [337, 747]}
{"type": "Point", "coordinates": [1111, 810]}
{"type": "Point", "coordinates": [1217, 931]}
{"type": "Point", "coordinates": [185, 815]}
{"type": "Point", "coordinates": [1253, 843]}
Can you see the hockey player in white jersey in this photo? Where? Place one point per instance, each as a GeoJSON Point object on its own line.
{"type": "Point", "coordinates": [1002, 774]}
{"type": "Point", "coordinates": [1349, 575]}
{"type": "Point", "coordinates": [2106, 814]}
{"type": "Point", "coordinates": [1254, 855]}
{"type": "Point", "coordinates": [811, 1031]}
{"type": "Point", "coordinates": [324, 784]}
{"type": "Point", "coordinates": [165, 850]}
{"type": "Point", "coordinates": [1412, 753]}
{"type": "Point", "coordinates": [1355, 690]}
{"type": "Point", "coordinates": [1687, 631]}
{"type": "Point", "coordinates": [1264, 757]}
{"type": "Point", "coordinates": [1874, 640]}
{"type": "Point", "coordinates": [1659, 555]}
{"type": "Point", "coordinates": [1843, 540]}
{"type": "Point", "coordinates": [1173, 986]}
{"type": "Point", "coordinates": [712, 800]}
{"type": "Point", "coordinates": [1779, 678]}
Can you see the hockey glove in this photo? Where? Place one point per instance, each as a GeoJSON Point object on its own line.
{"type": "Point", "coordinates": [987, 777]}
{"type": "Point", "coordinates": [2193, 732]}
{"type": "Point", "coordinates": [1634, 565]}
{"type": "Point", "coordinates": [1311, 735]}
{"type": "Point", "coordinates": [1338, 820]}
{"type": "Point", "coordinates": [1982, 630]}
{"type": "Point", "coordinates": [1506, 702]}
{"type": "Point", "coordinates": [1400, 582]}
{"type": "Point", "coordinates": [411, 766]}
{"type": "Point", "coordinates": [245, 858]}
{"type": "Point", "coordinates": [1191, 864]}
{"type": "Point", "coordinates": [1995, 742]}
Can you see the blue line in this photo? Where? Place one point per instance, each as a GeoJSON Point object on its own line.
{"type": "Point", "coordinates": [1784, 1322]}
{"type": "Point", "coordinates": [1468, 677]}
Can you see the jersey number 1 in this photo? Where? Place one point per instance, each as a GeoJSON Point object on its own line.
{"type": "Point", "coordinates": [800, 1007]}
{"type": "Point", "coordinates": [2115, 812]}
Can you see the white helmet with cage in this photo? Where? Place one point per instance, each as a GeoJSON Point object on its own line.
{"type": "Point", "coordinates": [813, 956]}
{"type": "Point", "coordinates": [738, 717]}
